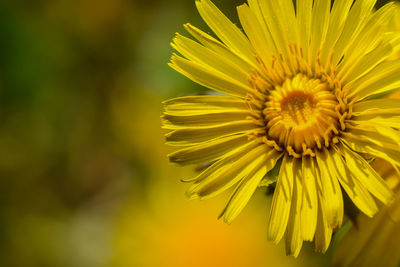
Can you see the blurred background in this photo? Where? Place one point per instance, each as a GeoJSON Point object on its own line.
{"type": "Point", "coordinates": [84, 177]}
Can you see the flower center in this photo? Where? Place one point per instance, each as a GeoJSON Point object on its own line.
{"type": "Point", "coordinates": [300, 113]}
{"type": "Point", "coordinates": [299, 105]}
{"type": "Point", "coordinates": [297, 109]}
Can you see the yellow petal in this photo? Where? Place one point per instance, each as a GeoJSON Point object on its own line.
{"type": "Point", "coordinates": [337, 20]}
{"type": "Point", "coordinates": [285, 12]}
{"type": "Point", "coordinates": [203, 102]}
{"type": "Point", "coordinates": [367, 39]}
{"type": "Point", "coordinates": [370, 139]}
{"type": "Point", "coordinates": [225, 162]}
{"type": "Point", "coordinates": [356, 19]}
{"type": "Point", "coordinates": [262, 43]}
{"type": "Point", "coordinates": [332, 194]}
{"type": "Point", "coordinates": [385, 105]}
{"type": "Point", "coordinates": [209, 78]}
{"type": "Point", "coordinates": [304, 8]}
{"type": "Point", "coordinates": [320, 21]}
{"type": "Point", "coordinates": [363, 172]}
{"type": "Point", "coordinates": [385, 84]}
{"type": "Point", "coordinates": [225, 29]}
{"type": "Point", "coordinates": [365, 146]}
{"type": "Point", "coordinates": [207, 152]}
{"type": "Point", "coordinates": [227, 177]}
{"type": "Point", "coordinates": [194, 135]}
{"type": "Point", "coordinates": [200, 120]}
{"type": "Point", "coordinates": [270, 13]}
{"type": "Point", "coordinates": [309, 208]}
{"type": "Point", "coordinates": [256, 10]}
{"type": "Point", "coordinates": [294, 240]}
{"type": "Point", "coordinates": [323, 233]}
{"type": "Point", "coordinates": [377, 119]}
{"type": "Point", "coordinates": [281, 201]}
{"type": "Point", "coordinates": [248, 185]}
{"type": "Point", "coordinates": [221, 49]}
{"type": "Point", "coordinates": [207, 57]}
{"type": "Point", "coordinates": [353, 187]}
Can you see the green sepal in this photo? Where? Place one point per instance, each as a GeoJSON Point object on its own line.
{"type": "Point", "coordinates": [272, 176]}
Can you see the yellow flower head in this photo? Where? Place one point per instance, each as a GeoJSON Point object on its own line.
{"type": "Point", "coordinates": [299, 94]}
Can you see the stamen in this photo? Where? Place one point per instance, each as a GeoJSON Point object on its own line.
{"type": "Point", "coordinates": [257, 103]}
{"type": "Point", "coordinates": [293, 153]}
{"type": "Point", "coordinates": [272, 143]}
{"type": "Point", "coordinates": [350, 105]}
{"type": "Point", "coordinates": [319, 145]}
{"type": "Point", "coordinates": [256, 121]}
{"type": "Point", "coordinates": [341, 120]}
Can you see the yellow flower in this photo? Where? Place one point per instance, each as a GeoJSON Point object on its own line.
{"type": "Point", "coordinates": [298, 94]}
{"type": "Point", "coordinates": [374, 242]}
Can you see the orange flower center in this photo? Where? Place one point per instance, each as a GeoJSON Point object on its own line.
{"type": "Point", "coordinates": [303, 106]}
{"type": "Point", "coordinates": [297, 109]}
{"type": "Point", "coordinates": [300, 113]}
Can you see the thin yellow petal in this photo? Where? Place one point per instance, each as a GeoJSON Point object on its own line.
{"type": "Point", "coordinates": [207, 152]}
{"type": "Point", "coordinates": [225, 162]}
{"type": "Point", "coordinates": [353, 187]}
{"type": "Point", "coordinates": [323, 233]}
{"type": "Point", "coordinates": [337, 20]}
{"type": "Point", "coordinates": [309, 208]}
{"type": "Point", "coordinates": [274, 23]}
{"type": "Point", "coordinates": [304, 8]}
{"type": "Point", "coordinates": [262, 43]}
{"type": "Point", "coordinates": [209, 78]}
{"type": "Point", "coordinates": [384, 105]}
{"type": "Point", "coordinates": [248, 185]}
{"type": "Point", "coordinates": [368, 38]}
{"type": "Point", "coordinates": [221, 49]}
{"type": "Point", "coordinates": [201, 120]}
{"type": "Point", "coordinates": [263, 27]}
{"type": "Point", "coordinates": [385, 138]}
{"type": "Point", "coordinates": [364, 173]}
{"type": "Point", "coordinates": [281, 201]}
{"type": "Point", "coordinates": [218, 102]}
{"type": "Point", "coordinates": [372, 69]}
{"type": "Point", "coordinates": [294, 240]}
{"type": "Point", "coordinates": [194, 135]}
{"type": "Point", "coordinates": [205, 56]}
{"type": "Point", "coordinates": [366, 145]}
{"type": "Point", "coordinates": [386, 84]}
{"type": "Point", "coordinates": [225, 29]}
{"type": "Point", "coordinates": [332, 194]}
{"type": "Point", "coordinates": [285, 11]}
{"type": "Point", "coordinates": [319, 26]}
{"type": "Point", "coordinates": [378, 119]}
{"type": "Point", "coordinates": [356, 19]}
{"type": "Point", "coordinates": [215, 184]}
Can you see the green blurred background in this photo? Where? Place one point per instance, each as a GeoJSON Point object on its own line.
{"type": "Point", "coordinates": [84, 178]}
